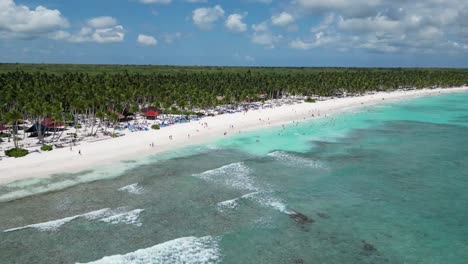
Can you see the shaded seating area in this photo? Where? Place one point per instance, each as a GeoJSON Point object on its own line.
{"type": "Point", "coordinates": [48, 125]}
{"type": "Point", "coordinates": [151, 113]}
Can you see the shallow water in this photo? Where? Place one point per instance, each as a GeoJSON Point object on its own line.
{"type": "Point", "coordinates": [384, 184]}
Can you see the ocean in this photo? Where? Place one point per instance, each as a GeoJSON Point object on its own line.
{"type": "Point", "coordinates": [380, 184]}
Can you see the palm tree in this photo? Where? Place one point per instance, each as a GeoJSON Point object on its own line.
{"type": "Point", "coordinates": [12, 118]}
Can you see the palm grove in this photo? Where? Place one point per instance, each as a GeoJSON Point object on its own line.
{"type": "Point", "coordinates": [87, 96]}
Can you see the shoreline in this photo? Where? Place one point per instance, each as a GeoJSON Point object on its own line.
{"type": "Point", "coordinates": [114, 151]}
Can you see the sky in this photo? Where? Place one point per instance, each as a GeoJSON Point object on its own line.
{"type": "Point", "coordinates": [357, 33]}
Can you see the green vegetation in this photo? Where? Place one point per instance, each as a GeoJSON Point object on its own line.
{"type": "Point", "coordinates": [310, 100]}
{"type": "Point", "coordinates": [16, 152]}
{"type": "Point", "coordinates": [155, 127]}
{"type": "Point", "coordinates": [47, 148]}
{"type": "Point", "coordinates": [89, 92]}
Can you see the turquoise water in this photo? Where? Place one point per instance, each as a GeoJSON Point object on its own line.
{"type": "Point", "coordinates": [383, 184]}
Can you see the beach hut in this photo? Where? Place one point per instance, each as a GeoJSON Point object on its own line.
{"type": "Point", "coordinates": [50, 123]}
{"type": "Point", "coordinates": [151, 113]}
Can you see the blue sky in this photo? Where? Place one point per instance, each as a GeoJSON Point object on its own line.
{"type": "Point", "coordinates": [398, 33]}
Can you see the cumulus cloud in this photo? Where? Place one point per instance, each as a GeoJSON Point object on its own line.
{"type": "Point", "coordinates": [283, 19]}
{"type": "Point", "coordinates": [99, 29]}
{"type": "Point", "coordinates": [108, 35]}
{"type": "Point", "coordinates": [260, 27]}
{"type": "Point", "coordinates": [205, 17]}
{"type": "Point", "coordinates": [263, 35]}
{"type": "Point", "coordinates": [19, 21]}
{"type": "Point", "coordinates": [235, 24]}
{"type": "Point", "coordinates": [419, 26]}
{"type": "Point", "coordinates": [146, 40]}
{"type": "Point", "coordinates": [320, 39]}
{"type": "Point", "coordinates": [345, 7]}
{"type": "Point", "coordinates": [103, 21]}
{"type": "Point", "coordinates": [266, 39]}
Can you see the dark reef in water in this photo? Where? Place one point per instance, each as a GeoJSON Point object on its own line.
{"type": "Point", "coordinates": [301, 218]}
{"type": "Point", "coordinates": [368, 248]}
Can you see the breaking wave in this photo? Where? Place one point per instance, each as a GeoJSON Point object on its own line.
{"type": "Point", "coordinates": [133, 189]}
{"type": "Point", "coordinates": [229, 204]}
{"type": "Point", "coordinates": [263, 198]}
{"type": "Point", "coordinates": [294, 160]}
{"type": "Point", "coordinates": [235, 175]}
{"type": "Point", "coordinates": [112, 216]}
{"type": "Point", "coordinates": [266, 199]}
{"type": "Point", "coordinates": [187, 250]}
{"type": "Point", "coordinates": [56, 224]}
{"type": "Point", "coordinates": [129, 218]}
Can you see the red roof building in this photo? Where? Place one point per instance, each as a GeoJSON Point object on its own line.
{"type": "Point", "coordinates": [151, 113]}
{"type": "Point", "coordinates": [49, 122]}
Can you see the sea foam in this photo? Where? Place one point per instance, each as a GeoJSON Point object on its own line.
{"type": "Point", "coordinates": [294, 160]}
{"type": "Point", "coordinates": [235, 175]}
{"type": "Point", "coordinates": [56, 224]}
{"type": "Point", "coordinates": [111, 216]}
{"type": "Point", "coordinates": [263, 198]}
{"type": "Point", "coordinates": [130, 218]}
{"type": "Point", "coordinates": [228, 204]}
{"type": "Point", "coordinates": [187, 250]}
{"type": "Point", "coordinates": [266, 199]}
{"type": "Point", "coordinates": [133, 189]}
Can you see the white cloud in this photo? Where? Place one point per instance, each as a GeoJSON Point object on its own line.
{"type": "Point", "coordinates": [103, 21]}
{"type": "Point", "coordinates": [19, 21]}
{"type": "Point", "coordinates": [418, 26]}
{"type": "Point", "coordinates": [99, 35]}
{"type": "Point", "coordinates": [60, 35]}
{"type": "Point", "coordinates": [204, 18]}
{"type": "Point", "coordinates": [320, 39]}
{"type": "Point", "coordinates": [345, 7]}
{"type": "Point", "coordinates": [109, 35]}
{"type": "Point", "coordinates": [371, 24]}
{"type": "Point", "coordinates": [234, 23]}
{"type": "Point", "coordinates": [283, 19]}
{"type": "Point", "coordinates": [147, 40]}
{"type": "Point", "coordinates": [98, 30]}
{"type": "Point", "coordinates": [260, 27]}
{"type": "Point", "coordinates": [165, 2]}
{"type": "Point", "coordinates": [327, 21]}
{"type": "Point", "coordinates": [266, 39]}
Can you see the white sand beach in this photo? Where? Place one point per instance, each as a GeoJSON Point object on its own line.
{"type": "Point", "coordinates": [138, 144]}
